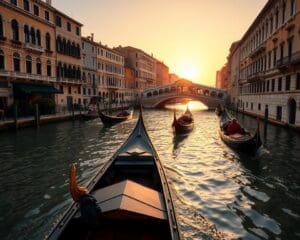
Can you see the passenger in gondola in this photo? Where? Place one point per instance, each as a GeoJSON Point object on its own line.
{"type": "Point", "coordinates": [234, 127]}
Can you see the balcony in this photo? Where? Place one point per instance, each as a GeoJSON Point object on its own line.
{"type": "Point", "coordinates": [69, 80]}
{"type": "Point", "coordinates": [26, 76]}
{"type": "Point", "coordinates": [260, 49]}
{"type": "Point", "coordinates": [255, 77]}
{"type": "Point", "coordinates": [34, 48]}
{"type": "Point", "coordinates": [287, 62]}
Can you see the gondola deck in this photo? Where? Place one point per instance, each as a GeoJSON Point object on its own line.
{"type": "Point", "coordinates": [133, 194]}
{"type": "Point", "coordinates": [181, 126]}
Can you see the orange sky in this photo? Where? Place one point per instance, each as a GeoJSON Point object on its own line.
{"type": "Point", "coordinates": [191, 36]}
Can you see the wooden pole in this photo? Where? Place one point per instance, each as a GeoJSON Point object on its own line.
{"type": "Point", "coordinates": [16, 116]}
{"type": "Point", "coordinates": [266, 118]}
{"type": "Point", "coordinates": [36, 116]}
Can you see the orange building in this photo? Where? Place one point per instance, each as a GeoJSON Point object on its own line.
{"type": "Point", "coordinates": [27, 52]}
{"type": "Point", "coordinates": [162, 74]}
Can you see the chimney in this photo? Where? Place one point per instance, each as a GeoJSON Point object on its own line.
{"type": "Point", "coordinates": [49, 2]}
{"type": "Point", "coordinates": [92, 37]}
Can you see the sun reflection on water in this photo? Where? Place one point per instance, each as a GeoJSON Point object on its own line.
{"type": "Point", "coordinates": [193, 106]}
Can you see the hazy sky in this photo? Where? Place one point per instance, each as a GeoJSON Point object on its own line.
{"type": "Point", "coordinates": [191, 36]}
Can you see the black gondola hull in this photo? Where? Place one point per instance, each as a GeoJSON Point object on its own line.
{"type": "Point", "coordinates": [111, 120]}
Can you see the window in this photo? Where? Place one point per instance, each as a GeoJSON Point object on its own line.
{"type": "Point", "coordinates": [47, 15]}
{"type": "Point", "coordinates": [2, 59]}
{"type": "Point", "coordinates": [26, 5]}
{"type": "Point", "coordinates": [298, 81]}
{"type": "Point", "coordinates": [273, 85]}
{"type": "Point", "coordinates": [48, 42]}
{"type": "Point", "coordinates": [288, 83]}
{"type": "Point", "coordinates": [293, 7]}
{"type": "Point", "coordinates": [38, 66]}
{"type": "Point", "coordinates": [49, 69]}
{"type": "Point", "coordinates": [279, 113]}
{"type": "Point", "coordinates": [1, 26]}
{"type": "Point", "coordinates": [269, 59]}
{"type": "Point", "coordinates": [279, 84]}
{"type": "Point", "coordinates": [32, 34]}
{"type": "Point", "coordinates": [58, 21]}
{"type": "Point", "coordinates": [79, 90]}
{"type": "Point", "coordinates": [14, 2]}
{"type": "Point", "coordinates": [283, 13]}
{"type": "Point", "coordinates": [69, 26]}
{"type": "Point", "coordinates": [77, 31]}
{"type": "Point", "coordinates": [259, 107]}
{"type": "Point", "coordinates": [251, 106]}
{"type": "Point", "coordinates": [84, 91]}
{"type": "Point", "coordinates": [16, 60]}
{"type": "Point", "coordinates": [15, 30]}
{"type": "Point", "coordinates": [281, 51]}
{"type": "Point", "coordinates": [61, 88]}
{"type": "Point", "coordinates": [69, 90]}
{"type": "Point", "coordinates": [276, 19]}
{"type": "Point", "coordinates": [290, 47]}
{"type": "Point", "coordinates": [38, 37]}
{"type": "Point", "coordinates": [268, 86]}
{"type": "Point", "coordinates": [274, 57]}
{"type": "Point", "coordinates": [28, 64]}
{"type": "Point", "coordinates": [26, 34]}
{"type": "Point", "coordinates": [36, 10]}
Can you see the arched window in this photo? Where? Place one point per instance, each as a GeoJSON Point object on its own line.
{"type": "Point", "coordinates": [58, 44]}
{"type": "Point", "coordinates": [16, 60]}
{"type": "Point", "coordinates": [48, 41]}
{"type": "Point", "coordinates": [64, 46]}
{"type": "Point", "coordinates": [38, 37]}
{"type": "Point", "coordinates": [59, 70]}
{"type": "Point", "coordinates": [15, 30]}
{"type": "Point", "coordinates": [68, 52]}
{"type": "Point", "coordinates": [65, 71]}
{"type": "Point", "coordinates": [38, 66]}
{"type": "Point", "coordinates": [69, 72]}
{"type": "Point", "coordinates": [26, 34]}
{"type": "Point", "coordinates": [78, 73]}
{"type": "Point", "coordinates": [74, 72]}
{"type": "Point", "coordinates": [28, 64]}
{"type": "Point", "coordinates": [1, 26]}
{"type": "Point", "coordinates": [73, 49]}
{"type": "Point", "coordinates": [2, 60]}
{"type": "Point", "coordinates": [32, 34]}
{"type": "Point", "coordinates": [49, 70]}
{"type": "Point", "coordinates": [78, 51]}
{"type": "Point", "coordinates": [14, 2]}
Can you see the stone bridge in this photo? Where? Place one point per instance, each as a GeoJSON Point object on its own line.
{"type": "Point", "coordinates": [183, 90]}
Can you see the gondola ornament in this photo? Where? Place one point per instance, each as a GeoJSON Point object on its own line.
{"type": "Point", "coordinates": [76, 191]}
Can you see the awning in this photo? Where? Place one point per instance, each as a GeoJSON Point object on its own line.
{"type": "Point", "coordinates": [36, 88]}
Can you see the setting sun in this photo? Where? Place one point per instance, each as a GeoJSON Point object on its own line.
{"type": "Point", "coordinates": [188, 71]}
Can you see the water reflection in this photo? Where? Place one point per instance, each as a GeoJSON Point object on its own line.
{"type": "Point", "coordinates": [193, 106]}
{"type": "Point", "coordinates": [218, 193]}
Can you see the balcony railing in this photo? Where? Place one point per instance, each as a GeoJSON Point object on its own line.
{"type": "Point", "coordinates": [256, 76]}
{"type": "Point", "coordinates": [286, 62]}
{"type": "Point", "coordinates": [26, 76]}
{"type": "Point", "coordinates": [34, 47]}
{"type": "Point", "coordinates": [69, 80]}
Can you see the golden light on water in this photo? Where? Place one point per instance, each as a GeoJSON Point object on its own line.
{"type": "Point", "coordinates": [193, 106]}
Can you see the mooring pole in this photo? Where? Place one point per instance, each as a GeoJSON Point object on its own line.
{"type": "Point", "coordinates": [36, 116]}
{"type": "Point", "coordinates": [16, 116]}
{"type": "Point", "coordinates": [266, 118]}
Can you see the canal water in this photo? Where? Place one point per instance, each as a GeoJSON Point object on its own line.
{"type": "Point", "coordinates": [218, 193]}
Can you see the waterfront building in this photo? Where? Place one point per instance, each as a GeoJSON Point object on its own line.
{"type": "Point", "coordinates": [233, 70]}
{"type": "Point", "coordinates": [68, 65]}
{"type": "Point", "coordinates": [129, 96]}
{"type": "Point", "coordinates": [173, 78]}
{"type": "Point", "coordinates": [111, 70]}
{"type": "Point", "coordinates": [27, 53]}
{"type": "Point", "coordinates": [144, 66]}
{"type": "Point", "coordinates": [90, 76]}
{"type": "Point", "coordinates": [162, 74]}
{"type": "Point", "coordinates": [222, 78]}
{"type": "Point", "coordinates": [270, 63]}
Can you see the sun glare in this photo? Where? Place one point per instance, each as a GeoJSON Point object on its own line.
{"type": "Point", "coordinates": [189, 72]}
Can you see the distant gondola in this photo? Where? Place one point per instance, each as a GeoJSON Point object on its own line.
{"type": "Point", "coordinates": [184, 124]}
{"type": "Point", "coordinates": [244, 142]}
{"type": "Point", "coordinates": [121, 117]}
{"type": "Point", "coordinates": [129, 198]}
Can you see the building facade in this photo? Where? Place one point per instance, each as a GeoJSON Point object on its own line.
{"type": "Point", "coordinates": [222, 78]}
{"type": "Point", "coordinates": [162, 74]}
{"type": "Point", "coordinates": [129, 85]}
{"type": "Point", "coordinates": [270, 63]}
{"type": "Point", "coordinates": [90, 76]}
{"type": "Point", "coordinates": [68, 64]}
{"type": "Point", "coordinates": [27, 52]}
{"type": "Point", "coordinates": [111, 69]}
{"type": "Point", "coordinates": [144, 66]}
{"type": "Point", "coordinates": [233, 72]}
